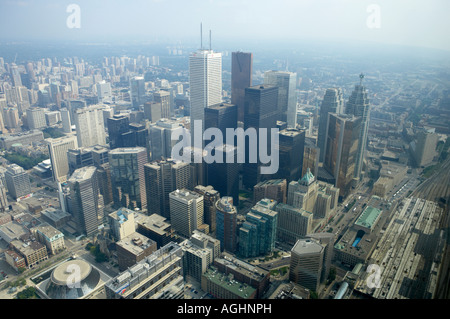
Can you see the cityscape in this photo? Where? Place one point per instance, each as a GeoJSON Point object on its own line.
{"type": "Point", "coordinates": [204, 168]}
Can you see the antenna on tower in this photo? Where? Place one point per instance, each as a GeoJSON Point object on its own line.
{"type": "Point", "coordinates": [209, 40]}
{"type": "Point", "coordinates": [201, 37]}
{"type": "Point", "coordinates": [361, 77]}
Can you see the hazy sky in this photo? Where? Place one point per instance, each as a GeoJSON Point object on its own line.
{"type": "Point", "coordinates": [422, 23]}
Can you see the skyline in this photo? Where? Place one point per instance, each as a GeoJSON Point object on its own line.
{"type": "Point", "coordinates": [406, 23]}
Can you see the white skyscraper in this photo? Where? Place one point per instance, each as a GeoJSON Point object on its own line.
{"type": "Point", "coordinates": [90, 126]}
{"type": "Point", "coordinates": [65, 118]}
{"type": "Point", "coordinates": [36, 118]}
{"type": "Point", "coordinates": [205, 81]}
{"type": "Point", "coordinates": [287, 95]}
{"type": "Point", "coordinates": [186, 211]}
{"type": "Point", "coordinates": [58, 148]}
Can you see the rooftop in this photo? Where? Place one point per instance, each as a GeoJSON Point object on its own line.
{"type": "Point", "coordinates": [307, 246]}
{"type": "Point", "coordinates": [368, 217]}
{"type": "Point", "coordinates": [135, 243]}
{"type": "Point", "coordinates": [229, 283]}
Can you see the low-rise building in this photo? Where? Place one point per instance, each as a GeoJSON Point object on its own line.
{"type": "Point", "coordinates": [132, 249]}
{"type": "Point", "coordinates": [225, 286]}
{"type": "Point", "coordinates": [52, 238]}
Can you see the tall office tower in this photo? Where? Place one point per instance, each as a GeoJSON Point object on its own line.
{"type": "Point", "coordinates": [306, 263]}
{"type": "Point", "coordinates": [275, 189]}
{"type": "Point", "coordinates": [78, 158]}
{"type": "Point", "coordinates": [137, 136]}
{"type": "Point", "coordinates": [287, 95]}
{"type": "Point", "coordinates": [303, 193]}
{"type": "Point", "coordinates": [75, 105]}
{"type": "Point", "coordinates": [226, 223]}
{"type": "Point", "coordinates": [311, 155]}
{"type": "Point", "coordinates": [36, 118]}
{"type": "Point", "coordinates": [11, 117]}
{"type": "Point", "coordinates": [186, 211]}
{"type": "Point", "coordinates": [292, 143]}
{"type": "Point", "coordinates": [200, 251]}
{"type": "Point", "coordinates": [137, 91]}
{"type": "Point", "coordinates": [152, 111]}
{"type": "Point", "coordinates": [257, 234]}
{"type": "Point", "coordinates": [205, 83]}
{"type": "Point", "coordinates": [15, 75]}
{"type": "Point", "coordinates": [162, 178]}
{"type": "Point", "coordinates": [163, 98]}
{"type": "Point", "coordinates": [223, 176]}
{"type": "Point", "coordinates": [117, 125]}
{"type": "Point", "coordinates": [327, 241]}
{"type": "Point", "coordinates": [17, 181]}
{"type": "Point", "coordinates": [241, 78]}
{"type": "Point", "coordinates": [104, 182]}
{"type": "Point", "coordinates": [341, 150]}
{"type": "Point", "coordinates": [30, 71]}
{"type": "Point", "coordinates": [160, 136]}
{"type": "Point", "coordinates": [3, 197]}
{"type": "Point", "coordinates": [164, 266]}
{"type": "Point", "coordinates": [333, 102]}
{"type": "Point", "coordinates": [210, 198]}
{"type": "Point", "coordinates": [89, 126]}
{"type": "Point", "coordinates": [104, 90]}
{"type": "Point", "coordinates": [2, 122]}
{"type": "Point", "coordinates": [199, 170]}
{"type": "Point", "coordinates": [293, 223]}
{"type": "Point", "coordinates": [221, 116]}
{"type": "Point", "coordinates": [358, 105]}
{"type": "Point", "coordinates": [58, 148]}
{"type": "Point", "coordinates": [260, 111]}
{"type": "Point", "coordinates": [423, 148]}
{"type": "Point", "coordinates": [127, 176]}
{"type": "Point", "coordinates": [84, 196]}
{"type": "Point", "coordinates": [100, 155]}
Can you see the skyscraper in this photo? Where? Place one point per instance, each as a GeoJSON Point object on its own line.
{"type": "Point", "coordinates": [291, 142]}
{"type": "Point", "coordinates": [307, 263]}
{"type": "Point", "coordinates": [241, 78]}
{"type": "Point", "coordinates": [160, 136]}
{"type": "Point", "coordinates": [287, 95]}
{"type": "Point", "coordinates": [152, 111]}
{"type": "Point", "coordinates": [162, 178]}
{"type": "Point", "coordinates": [117, 125]}
{"type": "Point", "coordinates": [221, 116]}
{"type": "Point", "coordinates": [90, 126]}
{"type": "Point", "coordinates": [223, 176]}
{"type": "Point", "coordinates": [78, 158]}
{"type": "Point", "coordinates": [137, 91]}
{"type": "Point", "coordinates": [163, 98]}
{"type": "Point", "coordinates": [293, 223]}
{"type": "Point", "coordinates": [186, 211]}
{"type": "Point", "coordinates": [226, 224]}
{"type": "Point", "coordinates": [333, 102]}
{"type": "Point", "coordinates": [311, 156]}
{"type": "Point", "coordinates": [127, 176]}
{"type": "Point", "coordinates": [358, 105]}
{"type": "Point", "coordinates": [17, 181]}
{"type": "Point", "coordinates": [58, 156]}
{"type": "Point", "coordinates": [15, 74]}
{"type": "Point", "coordinates": [84, 197]}
{"type": "Point", "coordinates": [260, 111]}
{"type": "Point", "coordinates": [257, 234]}
{"type": "Point", "coordinates": [341, 150]}
{"type": "Point", "coordinates": [205, 82]}
{"type": "Point", "coordinates": [210, 198]}
{"type": "Point", "coordinates": [36, 118]}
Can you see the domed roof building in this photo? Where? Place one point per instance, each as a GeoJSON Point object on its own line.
{"type": "Point", "coordinates": [74, 279]}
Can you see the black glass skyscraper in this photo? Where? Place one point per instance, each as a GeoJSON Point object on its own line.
{"type": "Point", "coordinates": [260, 111]}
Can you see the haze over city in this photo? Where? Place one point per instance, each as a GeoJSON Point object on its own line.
{"type": "Point", "coordinates": [135, 140]}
